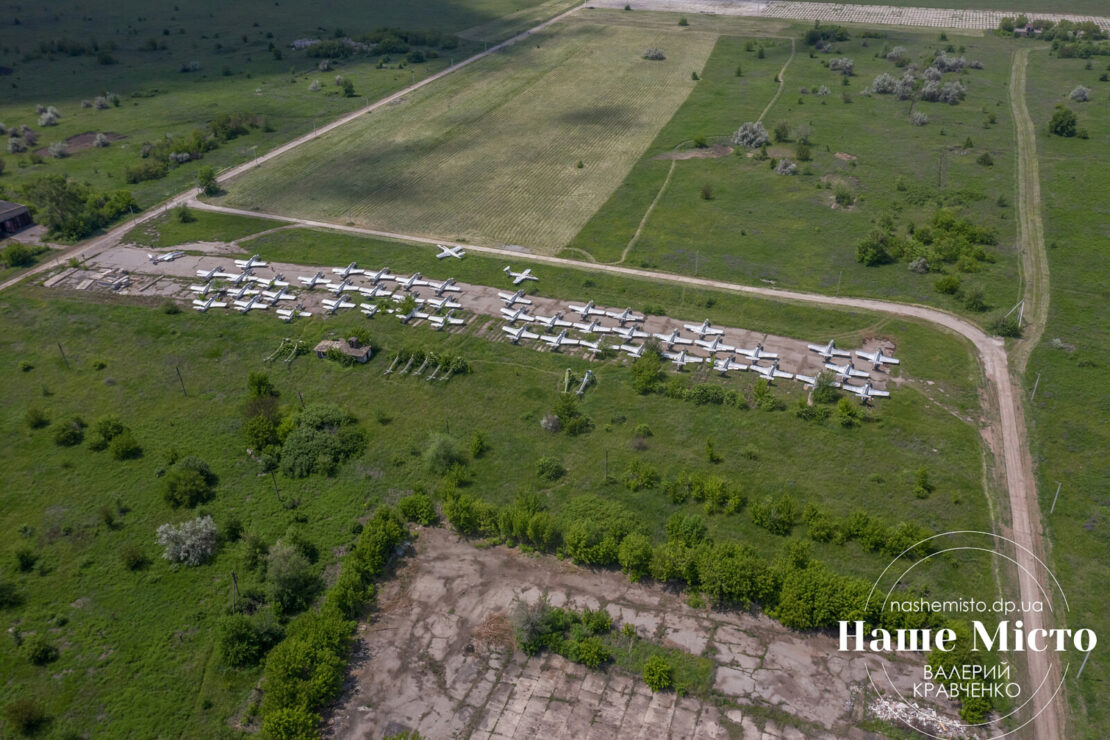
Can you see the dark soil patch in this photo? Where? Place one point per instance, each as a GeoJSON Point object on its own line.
{"type": "Point", "coordinates": [79, 142]}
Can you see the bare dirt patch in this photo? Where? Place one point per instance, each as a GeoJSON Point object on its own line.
{"type": "Point", "coordinates": [80, 142]}
{"type": "Point", "coordinates": [437, 658]}
{"type": "Point", "coordinates": [709, 152]}
{"type": "Point", "coordinates": [846, 157]}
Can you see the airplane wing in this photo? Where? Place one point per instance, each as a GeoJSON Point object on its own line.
{"type": "Point", "coordinates": [857, 389]}
{"type": "Point", "coordinates": [819, 348]}
{"type": "Point", "coordinates": [869, 356]}
{"type": "Point", "coordinates": [808, 380]}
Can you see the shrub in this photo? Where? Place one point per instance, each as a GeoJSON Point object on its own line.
{"type": "Point", "coordinates": [238, 641]}
{"type": "Point", "coordinates": [777, 515]}
{"type": "Point", "coordinates": [751, 135]}
{"type": "Point", "coordinates": [27, 716]}
{"type": "Point", "coordinates": [1064, 122]}
{"type": "Point", "coordinates": [291, 583]}
{"type": "Point", "coordinates": [186, 486]}
{"type": "Point", "coordinates": [550, 469]}
{"type": "Point", "coordinates": [802, 152]}
{"type": "Point", "coordinates": [1005, 326]}
{"type": "Point", "coordinates": [706, 192]}
{"type": "Point", "coordinates": [782, 131]}
{"type": "Point", "coordinates": [441, 454]}
{"type": "Point", "coordinates": [917, 118]}
{"type": "Point", "coordinates": [418, 507]}
{"type": "Point", "coordinates": [985, 159]}
{"type": "Point", "coordinates": [786, 167]}
{"type": "Point", "coordinates": [192, 542]}
{"type": "Point", "coordinates": [592, 653]}
{"type": "Point", "coordinates": [657, 673]}
{"type": "Point", "coordinates": [104, 431]}
{"type": "Point", "coordinates": [18, 255]}
{"type": "Point", "coordinates": [634, 556]}
{"type": "Point", "coordinates": [48, 119]}
{"type": "Point", "coordinates": [823, 389]}
{"type": "Point", "coordinates": [974, 299]}
{"type": "Point", "coordinates": [323, 437]}
{"type": "Point", "coordinates": [133, 557]}
{"type": "Point", "coordinates": [184, 214]}
{"type": "Point", "coordinates": [641, 430]}
{"type": "Point", "coordinates": [654, 53]}
{"type": "Point", "coordinates": [291, 723]}
{"type": "Point", "coordinates": [206, 180]}
{"type": "Point", "coordinates": [844, 66]}
{"type": "Point", "coordinates": [9, 595]}
{"type": "Point", "coordinates": [59, 150]}
{"type": "Point", "coordinates": [1080, 94]}
{"type": "Point", "coordinates": [25, 559]}
{"type": "Point", "coordinates": [947, 284]}
{"type": "Point", "coordinates": [639, 475]}
{"type": "Point", "coordinates": [848, 414]}
{"type": "Point", "coordinates": [35, 418]}
{"type": "Point", "coordinates": [40, 651]}
{"type": "Point", "coordinates": [919, 266]}
{"type": "Point", "coordinates": [69, 432]}
{"type": "Point", "coordinates": [844, 196]}
{"type": "Point", "coordinates": [125, 447]}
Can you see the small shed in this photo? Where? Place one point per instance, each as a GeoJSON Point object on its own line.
{"type": "Point", "coordinates": [350, 347]}
{"type": "Point", "coordinates": [14, 217]}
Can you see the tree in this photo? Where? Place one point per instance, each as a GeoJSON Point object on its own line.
{"type": "Point", "coordinates": [1064, 122]}
{"type": "Point", "coordinates": [1081, 94]}
{"type": "Point", "coordinates": [291, 723]}
{"type": "Point", "coordinates": [550, 469]}
{"type": "Point", "coordinates": [192, 542]}
{"type": "Point", "coordinates": [18, 255]}
{"type": "Point", "coordinates": [188, 483]}
{"type": "Point", "coordinates": [441, 454]}
{"type": "Point", "coordinates": [782, 132]}
{"type": "Point", "coordinates": [291, 583]}
{"type": "Point", "coordinates": [824, 390]}
{"type": "Point", "coordinates": [657, 673]}
{"type": "Point", "coordinates": [751, 135]}
{"type": "Point", "coordinates": [27, 716]}
{"type": "Point", "coordinates": [72, 210]}
{"type": "Point", "coordinates": [348, 88]}
{"type": "Point", "coordinates": [125, 447]}
{"type": "Point", "coordinates": [417, 507]}
{"type": "Point", "coordinates": [843, 65]}
{"type": "Point", "coordinates": [647, 372]}
{"type": "Point", "coordinates": [40, 651]}
{"type": "Point", "coordinates": [634, 556]}
{"type": "Point", "coordinates": [69, 432]}
{"type": "Point", "coordinates": [206, 180]}
{"type": "Point", "coordinates": [238, 640]}
{"type": "Point", "coordinates": [591, 652]}
{"type": "Point", "coordinates": [802, 152]}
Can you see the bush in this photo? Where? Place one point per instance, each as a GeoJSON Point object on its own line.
{"type": "Point", "coordinates": [1064, 122]}
{"type": "Point", "coordinates": [985, 159]}
{"type": "Point", "coordinates": [782, 132]}
{"type": "Point", "coordinates": [59, 150]}
{"type": "Point", "coordinates": [133, 557]}
{"type": "Point", "coordinates": [441, 454]}
{"type": "Point", "coordinates": [27, 716]}
{"type": "Point", "coordinates": [802, 152]}
{"type": "Point", "coordinates": [777, 515]}
{"type": "Point", "coordinates": [35, 418]}
{"type": "Point", "coordinates": [104, 431]}
{"type": "Point", "coordinates": [291, 583]}
{"type": "Point", "coordinates": [550, 469]}
{"type": "Point", "coordinates": [592, 653]}
{"type": "Point", "coordinates": [657, 673]}
{"type": "Point", "coordinates": [844, 66]}
{"type": "Point", "coordinates": [634, 556]}
{"type": "Point", "coordinates": [1080, 94]}
{"type": "Point", "coordinates": [917, 118]}
{"type": "Point", "coordinates": [844, 196]}
{"type": "Point", "coordinates": [417, 507]}
{"type": "Point", "coordinates": [25, 559]}
{"type": "Point", "coordinates": [654, 53]}
{"type": "Point", "coordinates": [186, 486]}
{"type": "Point", "coordinates": [18, 255]}
{"type": "Point", "coordinates": [323, 437]}
{"type": "Point", "coordinates": [848, 414]}
{"type": "Point", "coordinates": [751, 135]}
{"type": "Point", "coordinates": [125, 447]}
{"type": "Point", "coordinates": [9, 595]}
{"type": "Point", "coordinates": [947, 284]}
{"type": "Point", "coordinates": [69, 432]}
{"type": "Point", "coordinates": [40, 651]}
{"type": "Point", "coordinates": [192, 542]}
{"type": "Point", "coordinates": [786, 167]}
{"type": "Point", "coordinates": [206, 180]}
{"type": "Point", "coordinates": [1005, 326]}
{"type": "Point", "coordinates": [974, 299]}
{"type": "Point", "coordinates": [291, 723]}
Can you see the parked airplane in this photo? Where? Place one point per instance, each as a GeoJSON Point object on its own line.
{"type": "Point", "coordinates": [279, 295]}
{"type": "Point", "coordinates": [510, 299]}
{"type": "Point", "coordinates": [334, 304]}
{"type": "Point", "coordinates": [758, 353]}
{"type": "Point", "coordinates": [811, 380]}
{"type": "Point", "coordinates": [207, 288]}
{"type": "Point", "coordinates": [339, 288]}
{"type": "Point", "coordinates": [630, 332]}
{"type": "Point", "coordinates": [252, 303]}
{"type": "Point", "coordinates": [866, 392]}
{"type": "Point", "coordinates": [550, 322]}
{"type": "Point", "coordinates": [520, 277]}
{"type": "Point", "coordinates": [441, 303]}
{"type": "Point", "coordinates": [368, 308]}
{"type": "Point", "coordinates": [594, 346]}
{"type": "Point", "coordinates": [447, 286]}
{"type": "Point", "coordinates": [717, 345]}
{"type": "Point", "coordinates": [625, 316]}
{"type": "Point", "coordinates": [520, 314]}
{"type": "Point", "coordinates": [378, 291]}
{"type": "Point", "coordinates": [681, 359]}
{"type": "Point", "coordinates": [167, 257]}
{"type": "Point", "coordinates": [772, 372]}
{"type": "Point", "coordinates": [246, 276]}
{"type": "Point", "coordinates": [672, 339]}
{"type": "Point", "coordinates": [877, 358]}
{"type": "Point", "coordinates": [633, 350]}
{"type": "Point", "coordinates": [440, 322]}
{"type": "Point", "coordinates": [203, 306]}
{"type": "Point", "coordinates": [252, 262]}
{"type": "Point", "coordinates": [559, 340]}
{"type": "Point", "coordinates": [312, 282]}
{"type": "Point", "coordinates": [216, 271]}
{"type": "Point", "coordinates": [288, 314]}
{"type": "Point", "coordinates": [413, 314]}
{"type": "Point", "coordinates": [728, 364]}
{"type": "Point", "coordinates": [587, 311]}
{"type": "Point", "coordinates": [846, 370]}
{"type": "Point", "coordinates": [346, 272]}
{"type": "Point", "coordinates": [456, 252]}
{"type": "Point", "coordinates": [594, 327]}
{"type": "Point", "coordinates": [379, 275]}
{"type": "Point", "coordinates": [515, 335]}
{"type": "Point", "coordinates": [274, 282]}
{"type": "Point", "coordinates": [241, 292]}
{"type": "Point", "coordinates": [410, 282]}
{"type": "Point", "coordinates": [829, 351]}
{"type": "Point", "coordinates": [702, 329]}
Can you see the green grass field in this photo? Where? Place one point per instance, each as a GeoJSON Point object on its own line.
{"type": "Point", "coordinates": [1067, 416]}
{"type": "Point", "coordinates": [491, 153]}
{"type": "Point", "coordinates": [237, 74]}
{"type": "Point", "coordinates": [144, 639]}
{"type": "Point", "coordinates": [1032, 7]}
{"type": "Point", "coordinates": [758, 225]}
{"type": "Point", "coordinates": [169, 231]}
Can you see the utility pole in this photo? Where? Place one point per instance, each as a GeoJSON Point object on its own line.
{"type": "Point", "coordinates": [838, 277]}
{"type": "Point", "coordinates": [64, 360]}
{"type": "Point", "coordinates": [1084, 665]}
{"type": "Point", "coordinates": [301, 396]}
{"type": "Point", "coordinates": [1058, 484]}
{"type": "Point", "coordinates": [234, 590]}
{"type": "Point", "coordinates": [273, 477]}
{"type": "Point", "coordinates": [180, 380]}
{"type": "Point", "coordinates": [1034, 393]}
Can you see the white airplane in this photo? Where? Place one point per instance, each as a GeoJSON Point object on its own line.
{"type": "Point", "coordinates": [717, 345]}
{"type": "Point", "coordinates": [252, 262]}
{"type": "Point", "coordinates": [254, 302]}
{"type": "Point", "coordinates": [410, 282]}
{"type": "Point", "coordinates": [846, 370]}
{"type": "Point", "coordinates": [288, 314]}
{"type": "Point", "coordinates": [630, 332]}
{"type": "Point", "coordinates": [205, 289]}
{"type": "Point", "coordinates": [672, 339]}
{"type": "Point", "coordinates": [812, 380]}
{"type": "Point", "coordinates": [447, 286]}
{"type": "Point", "coordinates": [167, 257]}
{"type": "Point", "coordinates": [633, 350]}
{"type": "Point", "coordinates": [246, 276]}
{"type": "Point", "coordinates": [456, 252]}
{"type": "Point", "coordinates": [515, 335]}
{"type": "Point", "coordinates": [338, 288]}
{"type": "Point", "coordinates": [681, 359]}
{"type": "Point", "coordinates": [728, 364]}
{"type": "Point", "coordinates": [865, 391]}
{"type": "Point", "coordinates": [587, 311]}
{"type": "Point", "coordinates": [346, 272]}
{"type": "Point", "coordinates": [520, 277]}
{"type": "Point", "coordinates": [279, 295]}
{"type": "Point", "coordinates": [559, 340]}
{"type": "Point", "coordinates": [398, 298]}
{"type": "Point", "coordinates": [379, 275]}
{"type": "Point", "coordinates": [877, 358]}
{"type": "Point", "coordinates": [441, 303]}
{"type": "Point", "coordinates": [772, 372]}
{"type": "Point", "coordinates": [702, 329]}
{"type": "Point", "coordinates": [829, 351]}
{"type": "Point", "coordinates": [334, 304]}
{"type": "Point", "coordinates": [413, 314]}
{"type": "Point", "coordinates": [216, 271]}
{"type": "Point", "coordinates": [594, 327]}
{"type": "Point", "coordinates": [311, 282]}
{"type": "Point", "coordinates": [368, 308]}
{"type": "Point", "coordinates": [625, 316]}
{"type": "Point", "coordinates": [520, 314]}
{"type": "Point", "coordinates": [758, 353]}
{"type": "Point", "coordinates": [513, 298]}
{"type": "Point", "coordinates": [440, 322]}
{"type": "Point", "coordinates": [550, 322]}
{"type": "Point", "coordinates": [241, 292]}
{"type": "Point", "coordinates": [378, 291]}
{"type": "Point", "coordinates": [274, 282]}
{"type": "Point", "coordinates": [203, 306]}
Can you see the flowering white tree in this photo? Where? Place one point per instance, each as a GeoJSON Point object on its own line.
{"type": "Point", "coordinates": [191, 542]}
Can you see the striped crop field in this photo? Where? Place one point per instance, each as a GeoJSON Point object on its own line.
{"type": "Point", "coordinates": [491, 152]}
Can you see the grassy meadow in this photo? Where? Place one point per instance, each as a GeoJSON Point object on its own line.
{"type": "Point", "coordinates": [734, 218]}
{"type": "Point", "coordinates": [237, 73]}
{"type": "Point", "coordinates": [492, 154]}
{"type": "Point", "coordinates": [1067, 416]}
{"type": "Point", "coordinates": [137, 650]}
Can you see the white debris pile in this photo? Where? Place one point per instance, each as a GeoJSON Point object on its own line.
{"type": "Point", "coordinates": [925, 719]}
